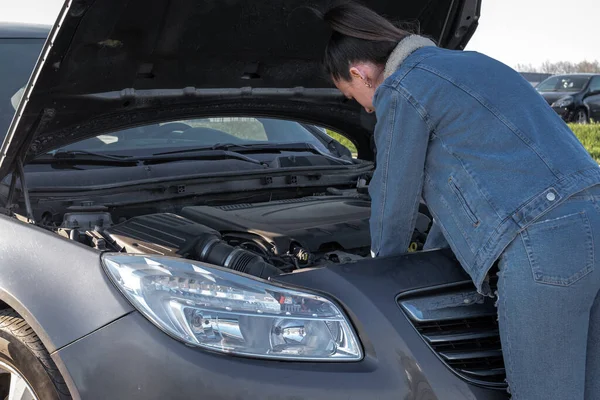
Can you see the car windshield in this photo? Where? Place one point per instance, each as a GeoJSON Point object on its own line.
{"type": "Point", "coordinates": [200, 133]}
{"type": "Point", "coordinates": [563, 84]}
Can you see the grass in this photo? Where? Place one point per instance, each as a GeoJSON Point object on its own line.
{"type": "Point", "coordinates": [343, 140]}
{"type": "Point", "coordinates": [589, 135]}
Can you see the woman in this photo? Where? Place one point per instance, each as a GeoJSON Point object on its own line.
{"type": "Point", "coordinates": [505, 180]}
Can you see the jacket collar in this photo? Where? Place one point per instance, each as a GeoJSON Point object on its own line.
{"type": "Point", "coordinates": [405, 48]}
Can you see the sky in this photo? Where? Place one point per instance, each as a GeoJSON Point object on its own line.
{"type": "Point", "coordinates": [512, 31]}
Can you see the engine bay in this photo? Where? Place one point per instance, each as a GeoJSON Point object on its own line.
{"type": "Point", "coordinates": [262, 239]}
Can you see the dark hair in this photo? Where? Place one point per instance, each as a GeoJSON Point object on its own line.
{"type": "Point", "coordinates": [359, 35]}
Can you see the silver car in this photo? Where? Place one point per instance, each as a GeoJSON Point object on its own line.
{"type": "Point", "coordinates": [180, 218]}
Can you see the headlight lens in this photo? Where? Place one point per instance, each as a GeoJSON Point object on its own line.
{"type": "Point", "coordinates": [564, 102]}
{"type": "Point", "coordinates": [224, 311]}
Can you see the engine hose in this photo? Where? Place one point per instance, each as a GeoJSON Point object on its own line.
{"type": "Point", "coordinates": [213, 250]}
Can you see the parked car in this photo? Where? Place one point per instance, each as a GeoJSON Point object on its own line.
{"type": "Point", "coordinates": [174, 225]}
{"type": "Point", "coordinates": [535, 78]}
{"type": "Point", "coordinates": [20, 46]}
{"type": "Point", "coordinates": [575, 97]}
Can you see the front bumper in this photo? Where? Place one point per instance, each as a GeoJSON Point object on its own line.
{"type": "Point", "coordinates": [130, 358]}
{"type": "Point", "coordinates": [566, 113]}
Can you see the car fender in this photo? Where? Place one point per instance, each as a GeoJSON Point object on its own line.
{"type": "Point", "coordinates": [583, 104]}
{"type": "Point", "coordinates": [57, 285]}
{"type": "Point", "coordinates": [586, 104]}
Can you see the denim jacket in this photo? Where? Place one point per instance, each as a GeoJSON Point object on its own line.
{"type": "Point", "coordinates": [476, 141]}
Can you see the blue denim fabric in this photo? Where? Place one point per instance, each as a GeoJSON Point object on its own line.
{"type": "Point", "coordinates": [435, 238]}
{"type": "Point", "coordinates": [480, 145]}
{"type": "Point", "coordinates": [549, 304]}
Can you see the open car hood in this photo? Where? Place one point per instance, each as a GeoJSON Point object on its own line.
{"type": "Point", "coordinates": [110, 64]}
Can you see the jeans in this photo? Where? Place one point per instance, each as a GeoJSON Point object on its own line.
{"type": "Point", "coordinates": [549, 304]}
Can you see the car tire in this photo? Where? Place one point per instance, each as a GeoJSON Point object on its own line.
{"type": "Point", "coordinates": [581, 116]}
{"type": "Point", "coordinates": [25, 363]}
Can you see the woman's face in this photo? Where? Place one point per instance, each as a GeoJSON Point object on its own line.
{"type": "Point", "coordinates": [358, 90]}
{"type": "Point", "coordinates": [364, 80]}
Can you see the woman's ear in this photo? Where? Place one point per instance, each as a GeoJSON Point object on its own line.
{"type": "Point", "coordinates": [368, 73]}
{"type": "Point", "coordinates": [355, 72]}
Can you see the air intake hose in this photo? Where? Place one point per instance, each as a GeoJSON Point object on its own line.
{"type": "Point", "coordinates": [211, 249]}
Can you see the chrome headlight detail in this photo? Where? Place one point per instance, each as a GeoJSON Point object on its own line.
{"type": "Point", "coordinates": [224, 311]}
{"type": "Point", "coordinates": [563, 102]}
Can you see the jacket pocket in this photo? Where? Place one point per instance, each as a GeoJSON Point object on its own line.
{"type": "Point", "coordinates": [463, 202]}
{"type": "Point", "coordinates": [561, 250]}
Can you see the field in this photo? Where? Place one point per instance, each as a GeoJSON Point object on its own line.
{"type": "Point", "coordinates": [347, 143]}
{"type": "Point", "coordinates": [589, 135]}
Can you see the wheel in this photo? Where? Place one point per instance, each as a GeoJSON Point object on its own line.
{"type": "Point", "coordinates": [581, 116]}
{"type": "Point", "coordinates": [26, 370]}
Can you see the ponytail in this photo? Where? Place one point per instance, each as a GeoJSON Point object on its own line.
{"type": "Point", "coordinates": [359, 35]}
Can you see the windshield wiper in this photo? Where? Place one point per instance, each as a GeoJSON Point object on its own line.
{"type": "Point", "coordinates": [248, 148]}
{"type": "Point", "coordinates": [75, 157]}
{"type": "Point", "coordinates": [84, 157]}
{"type": "Point", "coordinates": [270, 147]}
{"type": "Point", "coordinates": [76, 153]}
{"type": "Point", "coordinates": [199, 153]}
{"type": "Point", "coordinates": [280, 147]}
{"type": "Point", "coordinates": [258, 148]}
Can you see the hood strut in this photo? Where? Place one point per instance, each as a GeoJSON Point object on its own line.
{"type": "Point", "coordinates": [20, 174]}
{"type": "Point", "coordinates": [25, 191]}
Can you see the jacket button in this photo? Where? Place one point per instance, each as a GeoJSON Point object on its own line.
{"type": "Point", "coordinates": [551, 196]}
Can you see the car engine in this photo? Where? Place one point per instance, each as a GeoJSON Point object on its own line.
{"type": "Point", "coordinates": [262, 239]}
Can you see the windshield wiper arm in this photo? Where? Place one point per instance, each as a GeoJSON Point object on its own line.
{"type": "Point", "coordinates": [217, 146]}
{"type": "Point", "coordinates": [243, 148]}
{"type": "Point", "coordinates": [84, 157]}
{"type": "Point", "coordinates": [70, 154]}
{"type": "Point", "coordinates": [279, 147]}
{"type": "Point", "coordinates": [89, 157]}
{"type": "Point", "coordinates": [262, 147]}
{"type": "Point", "coordinates": [254, 148]}
{"type": "Point", "coordinates": [239, 149]}
{"type": "Point", "coordinates": [201, 153]}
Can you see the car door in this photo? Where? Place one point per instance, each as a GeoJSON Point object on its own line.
{"type": "Point", "coordinates": [593, 99]}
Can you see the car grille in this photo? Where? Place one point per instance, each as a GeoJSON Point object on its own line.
{"type": "Point", "coordinates": [461, 327]}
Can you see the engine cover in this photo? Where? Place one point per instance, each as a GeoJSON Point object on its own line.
{"type": "Point", "coordinates": [316, 223]}
{"type": "Point", "coordinates": [162, 234]}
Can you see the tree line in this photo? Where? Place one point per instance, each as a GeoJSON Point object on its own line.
{"type": "Point", "coordinates": [561, 67]}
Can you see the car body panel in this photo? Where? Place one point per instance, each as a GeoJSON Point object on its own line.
{"type": "Point", "coordinates": [56, 285]}
{"type": "Point", "coordinates": [564, 112]}
{"type": "Point", "coordinates": [551, 97]}
{"type": "Point", "coordinates": [105, 68]}
{"type": "Point", "coordinates": [592, 100]}
{"type": "Point", "coordinates": [581, 99]}
{"type": "Point", "coordinates": [99, 74]}
{"type": "Point", "coordinates": [397, 363]}
{"type": "Point", "coordinates": [15, 30]}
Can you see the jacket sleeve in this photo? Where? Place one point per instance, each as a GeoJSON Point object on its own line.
{"type": "Point", "coordinates": [401, 139]}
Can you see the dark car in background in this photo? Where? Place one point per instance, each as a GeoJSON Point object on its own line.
{"type": "Point", "coordinates": [20, 47]}
{"type": "Point", "coordinates": [575, 97]}
{"type": "Point", "coordinates": [175, 224]}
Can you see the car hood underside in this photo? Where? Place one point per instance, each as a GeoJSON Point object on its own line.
{"type": "Point", "coordinates": [109, 64]}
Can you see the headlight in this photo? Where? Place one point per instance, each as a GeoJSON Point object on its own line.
{"type": "Point", "coordinates": [220, 310]}
{"type": "Point", "coordinates": [564, 102]}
